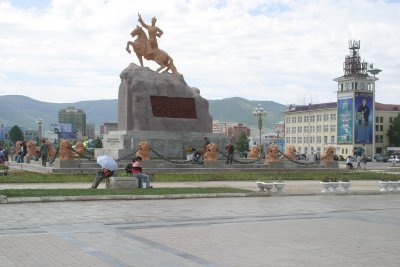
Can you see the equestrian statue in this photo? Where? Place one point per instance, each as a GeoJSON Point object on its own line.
{"type": "Point", "coordinates": [148, 47]}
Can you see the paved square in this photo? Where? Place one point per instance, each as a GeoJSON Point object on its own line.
{"type": "Point", "coordinates": [265, 231]}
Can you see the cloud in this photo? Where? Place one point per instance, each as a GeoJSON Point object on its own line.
{"type": "Point", "coordinates": [270, 50]}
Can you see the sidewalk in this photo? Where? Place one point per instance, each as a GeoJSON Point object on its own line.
{"type": "Point", "coordinates": [291, 187]}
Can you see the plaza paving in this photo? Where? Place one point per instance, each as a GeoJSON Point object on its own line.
{"type": "Point", "coordinates": [313, 230]}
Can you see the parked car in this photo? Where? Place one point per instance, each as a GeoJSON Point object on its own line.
{"type": "Point", "coordinates": [394, 159]}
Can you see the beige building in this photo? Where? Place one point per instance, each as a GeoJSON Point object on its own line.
{"type": "Point", "coordinates": [355, 124]}
{"type": "Point", "coordinates": [312, 128]}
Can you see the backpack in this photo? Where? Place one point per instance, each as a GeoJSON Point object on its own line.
{"type": "Point", "coordinates": [128, 168]}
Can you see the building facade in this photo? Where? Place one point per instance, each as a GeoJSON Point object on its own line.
{"type": "Point", "coordinates": [76, 117]}
{"type": "Point", "coordinates": [355, 124]}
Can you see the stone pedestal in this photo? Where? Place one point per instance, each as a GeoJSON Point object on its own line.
{"type": "Point", "coordinates": [275, 164]}
{"type": "Point", "coordinates": [151, 101]}
{"type": "Point", "coordinates": [331, 164]}
{"type": "Point", "coordinates": [65, 163]}
{"type": "Point", "coordinates": [119, 144]}
{"type": "Point", "coordinates": [130, 182]}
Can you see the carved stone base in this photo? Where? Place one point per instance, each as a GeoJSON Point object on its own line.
{"type": "Point", "coordinates": [65, 163]}
{"type": "Point", "coordinates": [276, 164]}
{"type": "Point", "coordinates": [122, 182]}
{"type": "Point", "coordinates": [331, 164]}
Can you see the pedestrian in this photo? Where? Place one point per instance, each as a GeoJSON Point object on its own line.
{"type": "Point", "coordinates": [1, 155]}
{"type": "Point", "coordinates": [348, 162]}
{"type": "Point", "coordinates": [137, 171]}
{"type": "Point", "coordinates": [364, 160]}
{"type": "Point", "coordinates": [206, 142]}
{"type": "Point", "coordinates": [44, 147]}
{"type": "Point", "coordinates": [358, 162]}
{"type": "Point", "coordinates": [231, 150]}
{"type": "Point", "coordinates": [104, 173]}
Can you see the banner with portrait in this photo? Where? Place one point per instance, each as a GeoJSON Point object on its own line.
{"type": "Point", "coordinates": [363, 117]}
{"type": "Point", "coordinates": [345, 118]}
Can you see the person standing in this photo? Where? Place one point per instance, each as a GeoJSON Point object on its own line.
{"type": "Point", "coordinates": [364, 160]}
{"type": "Point", "coordinates": [44, 147]}
{"type": "Point", "coordinates": [137, 171]}
{"type": "Point", "coordinates": [231, 150]}
{"type": "Point", "coordinates": [358, 162]}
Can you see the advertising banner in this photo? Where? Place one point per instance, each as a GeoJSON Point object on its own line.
{"type": "Point", "coordinates": [345, 119]}
{"type": "Point", "coordinates": [363, 124]}
{"type": "Point", "coordinates": [62, 127]}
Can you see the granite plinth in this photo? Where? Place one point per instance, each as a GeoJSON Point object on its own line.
{"type": "Point", "coordinates": [172, 145]}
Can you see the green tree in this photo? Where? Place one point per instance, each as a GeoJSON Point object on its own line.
{"type": "Point", "coordinates": [97, 142]}
{"type": "Point", "coordinates": [242, 143]}
{"type": "Point", "coordinates": [394, 132]}
{"type": "Point", "coordinates": [16, 134]}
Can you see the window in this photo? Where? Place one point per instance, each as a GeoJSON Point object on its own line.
{"type": "Point", "coordinates": [319, 128]}
{"type": "Point", "coordinates": [306, 118]}
{"type": "Point", "coordinates": [287, 120]}
{"type": "Point", "coordinates": [318, 149]}
{"type": "Point", "coordinates": [325, 139]}
{"type": "Point", "coordinates": [326, 117]}
{"type": "Point", "coordinates": [390, 119]}
{"type": "Point", "coordinates": [318, 139]}
{"type": "Point", "coordinates": [381, 119]}
{"type": "Point", "coordinates": [376, 138]}
{"type": "Point", "coordinates": [288, 140]}
{"type": "Point", "coordinates": [299, 150]}
{"type": "Point", "coordinates": [332, 139]}
{"type": "Point", "coordinates": [381, 139]}
{"type": "Point", "coordinates": [288, 130]}
{"type": "Point", "coordinates": [293, 140]}
{"type": "Point", "coordinates": [312, 139]}
{"type": "Point", "coordinates": [381, 128]}
{"type": "Point", "coordinates": [326, 128]}
{"type": "Point", "coordinates": [306, 150]}
{"type": "Point", "coordinates": [377, 119]}
{"type": "Point", "coordinates": [333, 116]}
{"type": "Point", "coordinates": [299, 129]}
{"type": "Point", "coordinates": [305, 139]}
{"type": "Point", "coordinates": [376, 127]}
{"type": "Point", "coordinates": [333, 127]}
{"type": "Point", "coordinates": [312, 118]}
{"type": "Point", "coordinates": [312, 129]}
{"type": "Point", "coordinates": [299, 119]}
{"type": "Point", "coordinates": [293, 129]}
{"type": "Point", "coordinates": [293, 119]}
{"type": "Point", "coordinates": [306, 129]}
{"type": "Point", "coordinates": [299, 139]}
{"type": "Point", "coordinates": [319, 117]}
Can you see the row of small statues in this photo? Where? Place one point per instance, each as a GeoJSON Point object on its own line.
{"type": "Point", "coordinates": [211, 151]}
{"type": "Point", "coordinates": [66, 151]}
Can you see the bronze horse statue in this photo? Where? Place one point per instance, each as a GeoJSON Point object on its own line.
{"type": "Point", "coordinates": [140, 46]}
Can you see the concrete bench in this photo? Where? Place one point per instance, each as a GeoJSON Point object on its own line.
{"type": "Point", "coordinates": [129, 182]}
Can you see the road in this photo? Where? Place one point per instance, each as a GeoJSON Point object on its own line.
{"type": "Point", "coordinates": [322, 230]}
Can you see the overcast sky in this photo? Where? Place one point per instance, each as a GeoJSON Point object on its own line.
{"type": "Point", "coordinates": [285, 51]}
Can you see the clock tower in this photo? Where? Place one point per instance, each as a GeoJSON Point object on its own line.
{"type": "Point", "coordinates": [356, 106]}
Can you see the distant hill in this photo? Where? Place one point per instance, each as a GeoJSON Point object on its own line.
{"type": "Point", "coordinates": [23, 111]}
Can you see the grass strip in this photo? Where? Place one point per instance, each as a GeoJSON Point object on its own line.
{"type": "Point", "coordinates": [26, 177]}
{"type": "Point", "coordinates": [104, 192]}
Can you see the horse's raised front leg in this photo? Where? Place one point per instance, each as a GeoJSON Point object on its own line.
{"type": "Point", "coordinates": [127, 46]}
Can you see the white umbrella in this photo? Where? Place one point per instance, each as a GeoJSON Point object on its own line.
{"type": "Point", "coordinates": [107, 162]}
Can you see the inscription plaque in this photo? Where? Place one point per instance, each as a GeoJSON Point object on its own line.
{"type": "Point", "coordinates": [173, 107]}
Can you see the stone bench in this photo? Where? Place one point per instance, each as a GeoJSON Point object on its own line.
{"type": "Point", "coordinates": [129, 182]}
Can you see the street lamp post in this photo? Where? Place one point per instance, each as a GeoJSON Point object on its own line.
{"type": "Point", "coordinates": [40, 122]}
{"type": "Point", "coordinates": [259, 112]}
{"type": "Point", "coordinates": [373, 71]}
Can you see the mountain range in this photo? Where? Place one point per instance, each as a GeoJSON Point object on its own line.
{"type": "Point", "coordinates": [23, 111]}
